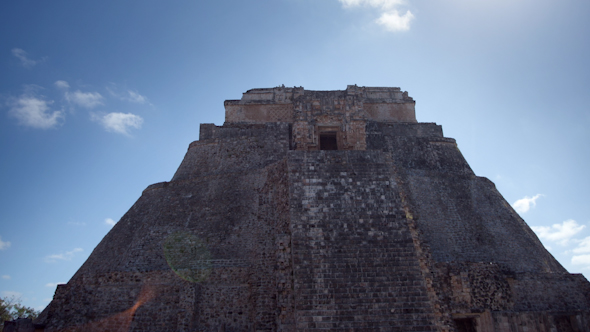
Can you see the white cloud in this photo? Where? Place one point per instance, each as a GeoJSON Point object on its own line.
{"type": "Point", "coordinates": [135, 97]}
{"type": "Point", "coordinates": [583, 246]}
{"type": "Point", "coordinates": [4, 244]}
{"type": "Point", "coordinates": [6, 276]}
{"type": "Point", "coordinates": [523, 205]}
{"type": "Point", "coordinates": [392, 21]}
{"type": "Point", "coordinates": [581, 260]}
{"type": "Point", "coordinates": [67, 256]}
{"type": "Point", "coordinates": [110, 222]}
{"type": "Point", "coordinates": [53, 284]}
{"type": "Point", "coordinates": [390, 18]}
{"type": "Point", "coordinates": [34, 112]}
{"type": "Point", "coordinates": [129, 95]}
{"type": "Point", "coordinates": [85, 99]}
{"type": "Point", "coordinates": [62, 84]}
{"type": "Point", "coordinates": [383, 4]}
{"type": "Point", "coordinates": [22, 56]}
{"type": "Point", "coordinates": [119, 122]}
{"type": "Point", "coordinates": [560, 233]}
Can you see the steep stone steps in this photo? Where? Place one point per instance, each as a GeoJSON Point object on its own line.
{"type": "Point", "coordinates": [355, 263]}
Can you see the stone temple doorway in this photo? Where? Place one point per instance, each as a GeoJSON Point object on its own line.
{"type": "Point", "coordinates": [466, 325]}
{"type": "Point", "coordinates": [328, 140]}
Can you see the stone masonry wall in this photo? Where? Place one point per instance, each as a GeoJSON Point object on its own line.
{"type": "Point", "coordinates": [207, 251]}
{"type": "Point", "coordinates": [234, 148]}
{"type": "Point", "coordinates": [355, 265]}
{"type": "Point", "coordinates": [333, 109]}
{"type": "Point", "coordinates": [463, 217]}
{"type": "Point", "coordinates": [259, 231]}
{"type": "Point", "coordinates": [482, 256]}
{"type": "Point", "coordinates": [279, 104]}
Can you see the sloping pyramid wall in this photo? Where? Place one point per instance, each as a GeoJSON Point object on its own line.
{"type": "Point", "coordinates": [483, 262]}
{"type": "Point", "coordinates": [227, 196]}
{"type": "Point", "coordinates": [250, 235]}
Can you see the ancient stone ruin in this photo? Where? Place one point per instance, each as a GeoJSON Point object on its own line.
{"type": "Point", "coordinates": [321, 211]}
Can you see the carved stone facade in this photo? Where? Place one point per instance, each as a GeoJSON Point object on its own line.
{"type": "Point", "coordinates": [341, 114]}
{"type": "Point", "coordinates": [321, 211]}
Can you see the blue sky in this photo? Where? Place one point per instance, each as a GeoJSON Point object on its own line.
{"type": "Point", "coordinates": [100, 99]}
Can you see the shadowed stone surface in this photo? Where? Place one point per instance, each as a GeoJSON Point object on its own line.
{"type": "Point", "coordinates": [262, 230]}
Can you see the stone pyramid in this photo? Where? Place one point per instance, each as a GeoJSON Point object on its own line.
{"type": "Point", "coordinates": [321, 211]}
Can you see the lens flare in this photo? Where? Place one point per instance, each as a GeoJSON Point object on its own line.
{"type": "Point", "coordinates": [188, 256]}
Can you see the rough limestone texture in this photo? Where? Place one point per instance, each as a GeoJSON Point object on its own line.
{"type": "Point", "coordinates": [321, 211]}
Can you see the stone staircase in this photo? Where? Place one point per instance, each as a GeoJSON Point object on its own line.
{"type": "Point", "coordinates": [356, 268]}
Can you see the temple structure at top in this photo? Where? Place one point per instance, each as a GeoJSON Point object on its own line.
{"type": "Point", "coordinates": [323, 120]}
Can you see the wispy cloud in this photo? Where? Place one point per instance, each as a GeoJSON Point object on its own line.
{"type": "Point", "coordinates": [559, 233]}
{"type": "Point", "coordinates": [24, 59]}
{"type": "Point", "coordinates": [127, 95]}
{"type": "Point", "coordinates": [4, 244]}
{"type": "Point", "coordinates": [79, 98]}
{"type": "Point", "coordinates": [110, 222]}
{"type": "Point", "coordinates": [62, 84]}
{"type": "Point", "coordinates": [119, 122]}
{"type": "Point", "coordinates": [523, 205]}
{"type": "Point", "coordinates": [581, 260]}
{"type": "Point", "coordinates": [6, 276]}
{"type": "Point", "coordinates": [583, 246]}
{"type": "Point", "coordinates": [390, 19]}
{"type": "Point", "coordinates": [135, 97]}
{"type": "Point", "coordinates": [383, 4]}
{"type": "Point", "coordinates": [85, 99]}
{"type": "Point", "coordinates": [67, 256]}
{"type": "Point", "coordinates": [33, 111]}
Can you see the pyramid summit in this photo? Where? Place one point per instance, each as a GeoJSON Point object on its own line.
{"type": "Point", "coordinates": [321, 211]}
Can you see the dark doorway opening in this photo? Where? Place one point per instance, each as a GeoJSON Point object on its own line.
{"type": "Point", "coordinates": [328, 140]}
{"type": "Point", "coordinates": [465, 325]}
{"type": "Point", "coordinates": [566, 324]}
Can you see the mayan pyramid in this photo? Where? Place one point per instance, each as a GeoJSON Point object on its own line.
{"type": "Point", "coordinates": [321, 211]}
